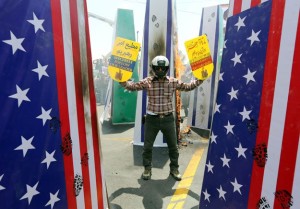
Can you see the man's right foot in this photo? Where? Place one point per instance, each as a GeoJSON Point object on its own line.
{"type": "Point", "coordinates": [146, 174]}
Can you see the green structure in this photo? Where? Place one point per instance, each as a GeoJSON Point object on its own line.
{"type": "Point", "coordinates": [124, 102]}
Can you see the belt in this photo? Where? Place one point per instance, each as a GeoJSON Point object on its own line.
{"type": "Point", "coordinates": [160, 115]}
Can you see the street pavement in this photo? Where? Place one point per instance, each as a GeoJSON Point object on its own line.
{"type": "Point", "coordinates": [122, 165]}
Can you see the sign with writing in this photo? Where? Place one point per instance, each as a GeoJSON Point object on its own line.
{"type": "Point", "coordinates": [199, 56]}
{"type": "Point", "coordinates": [123, 58]}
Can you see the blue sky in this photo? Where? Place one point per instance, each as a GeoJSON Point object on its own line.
{"type": "Point", "coordinates": [101, 33]}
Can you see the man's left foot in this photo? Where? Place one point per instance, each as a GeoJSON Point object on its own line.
{"type": "Point", "coordinates": [176, 175]}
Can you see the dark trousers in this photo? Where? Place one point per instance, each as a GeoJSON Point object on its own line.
{"type": "Point", "coordinates": [154, 124]}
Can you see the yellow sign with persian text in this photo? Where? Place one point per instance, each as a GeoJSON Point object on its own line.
{"type": "Point", "coordinates": [123, 59]}
{"type": "Point", "coordinates": [199, 56]}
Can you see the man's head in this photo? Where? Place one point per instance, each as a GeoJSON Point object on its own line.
{"type": "Point", "coordinates": [160, 66]}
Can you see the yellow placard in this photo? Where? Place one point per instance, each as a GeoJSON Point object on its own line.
{"type": "Point", "coordinates": [123, 59]}
{"type": "Point", "coordinates": [199, 56]}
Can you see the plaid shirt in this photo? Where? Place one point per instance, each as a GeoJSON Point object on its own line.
{"type": "Point", "coordinates": [160, 93]}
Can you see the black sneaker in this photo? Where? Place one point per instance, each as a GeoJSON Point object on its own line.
{"type": "Point", "coordinates": [146, 174]}
{"type": "Point", "coordinates": [176, 175]}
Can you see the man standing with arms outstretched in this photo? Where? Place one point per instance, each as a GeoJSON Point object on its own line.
{"type": "Point", "coordinates": [160, 90]}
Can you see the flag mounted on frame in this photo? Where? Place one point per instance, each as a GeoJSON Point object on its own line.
{"type": "Point", "coordinates": [253, 158]}
{"type": "Point", "coordinates": [203, 98]}
{"type": "Point", "coordinates": [122, 103]}
{"type": "Point", "coordinates": [159, 33]}
{"type": "Point", "coordinates": [49, 149]}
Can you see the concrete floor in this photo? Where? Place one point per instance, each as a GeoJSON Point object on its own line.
{"type": "Point", "coordinates": [122, 165]}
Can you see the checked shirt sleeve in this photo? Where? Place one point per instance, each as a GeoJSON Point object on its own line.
{"type": "Point", "coordinates": [140, 85]}
{"type": "Point", "coordinates": [188, 86]}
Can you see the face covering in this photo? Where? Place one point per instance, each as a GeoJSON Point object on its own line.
{"type": "Point", "coordinates": [160, 73]}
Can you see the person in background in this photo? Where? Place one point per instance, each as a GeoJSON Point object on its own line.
{"type": "Point", "coordinates": [160, 90]}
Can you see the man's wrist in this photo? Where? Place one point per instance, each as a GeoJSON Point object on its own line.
{"type": "Point", "coordinates": [199, 81]}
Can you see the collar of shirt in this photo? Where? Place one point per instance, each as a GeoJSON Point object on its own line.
{"type": "Point", "coordinates": [154, 78]}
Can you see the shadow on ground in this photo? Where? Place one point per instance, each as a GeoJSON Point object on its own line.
{"type": "Point", "coordinates": [108, 128]}
{"type": "Point", "coordinates": [160, 156]}
{"type": "Point", "coordinates": [152, 191]}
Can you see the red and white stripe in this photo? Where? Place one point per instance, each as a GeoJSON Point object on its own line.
{"type": "Point", "coordinates": [77, 101]}
{"type": "Point", "coordinates": [237, 6]}
{"type": "Point", "coordinates": [282, 139]}
{"type": "Point", "coordinates": [279, 121]}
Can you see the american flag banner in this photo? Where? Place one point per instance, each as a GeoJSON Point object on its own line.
{"type": "Point", "coordinates": [253, 158]}
{"type": "Point", "coordinates": [49, 148]}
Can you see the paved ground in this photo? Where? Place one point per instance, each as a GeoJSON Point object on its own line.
{"type": "Point", "coordinates": [123, 168]}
